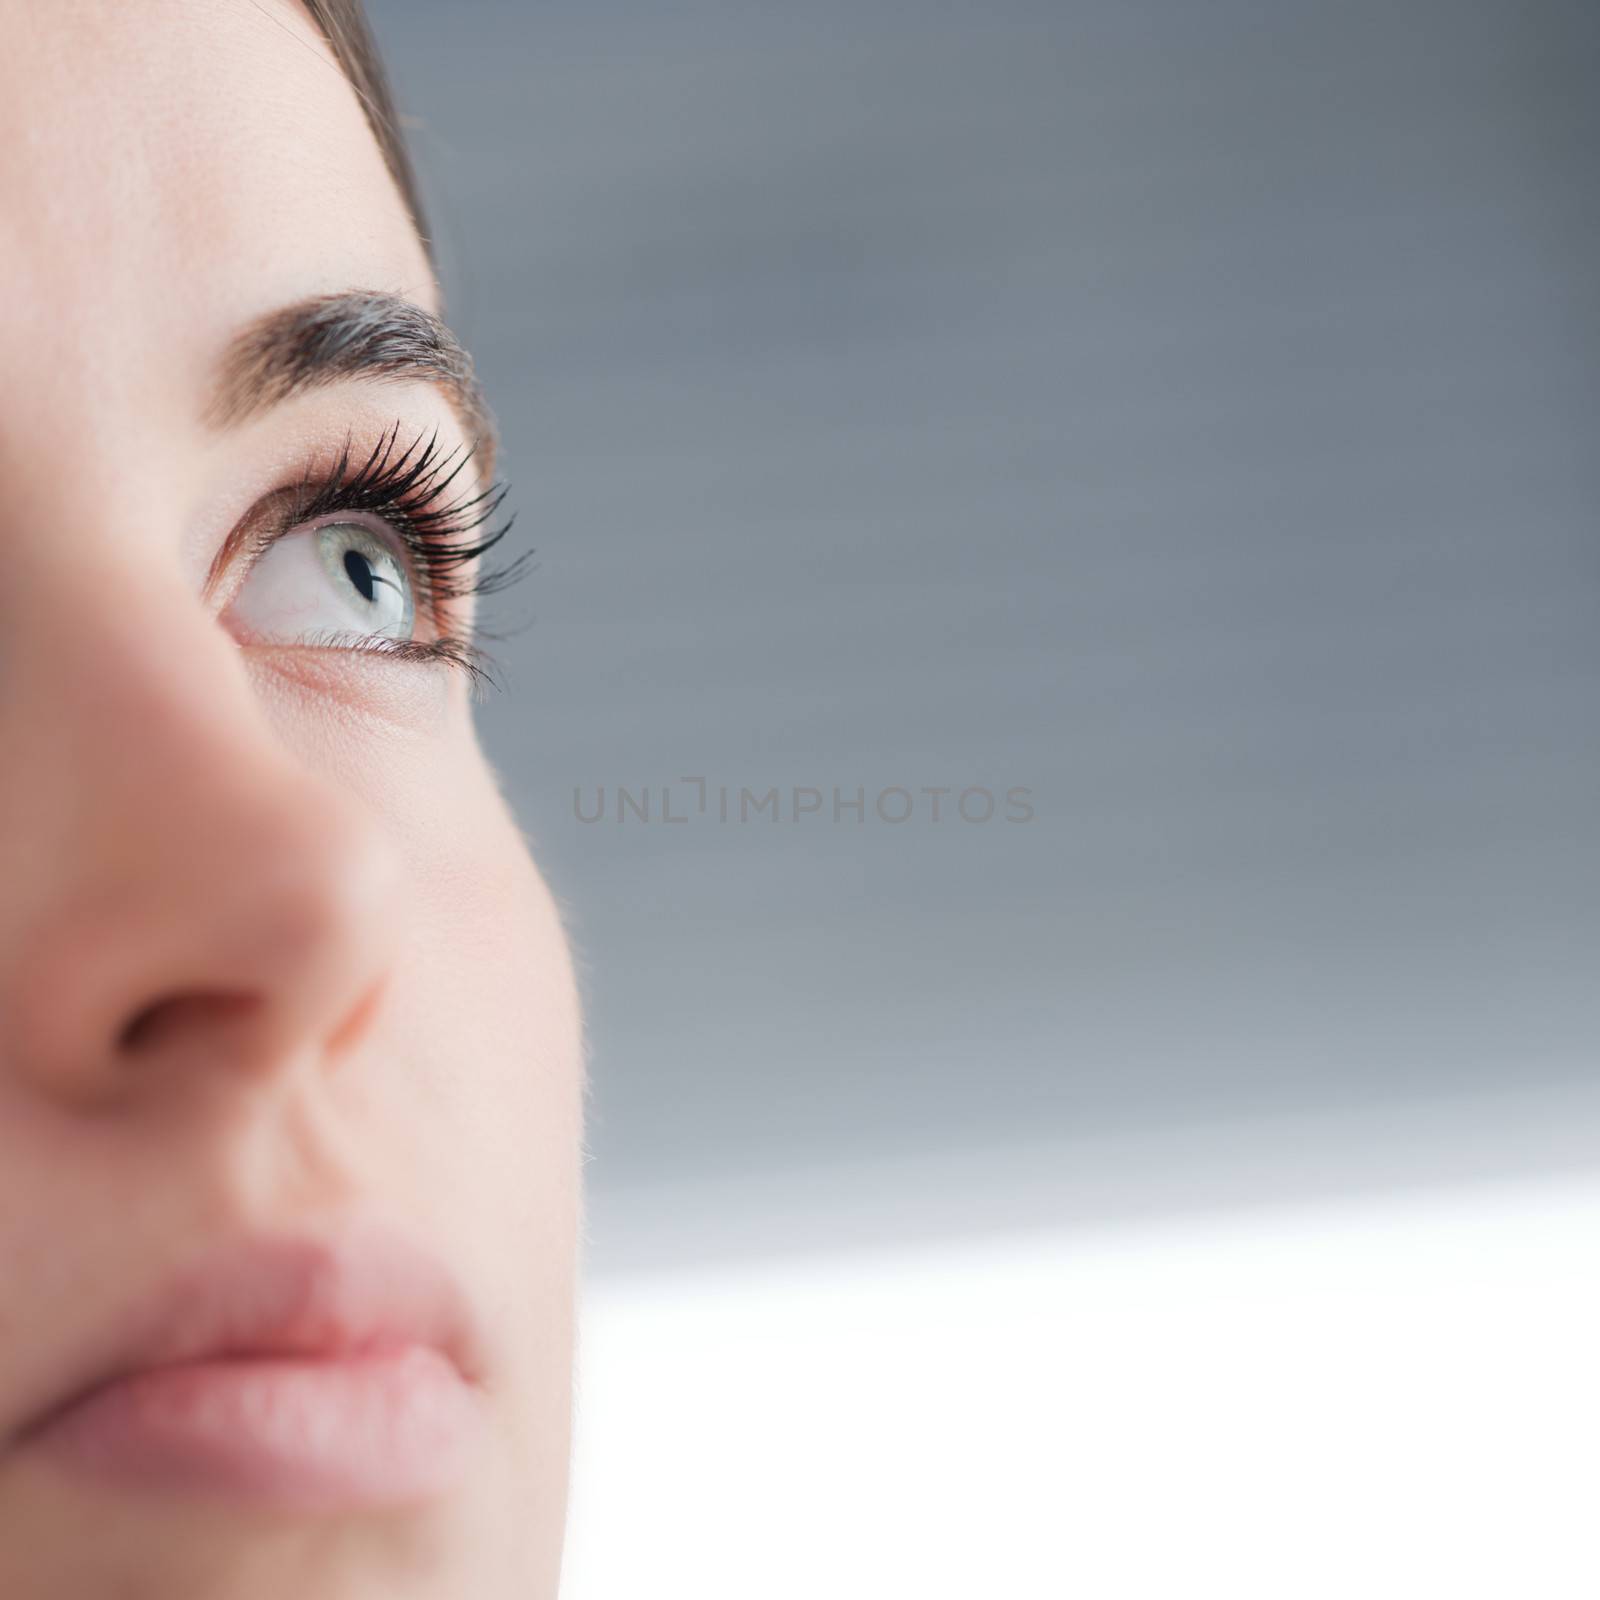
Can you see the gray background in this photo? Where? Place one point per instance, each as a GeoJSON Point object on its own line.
{"type": "Point", "coordinates": [1185, 411]}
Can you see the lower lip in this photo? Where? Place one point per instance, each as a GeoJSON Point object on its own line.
{"type": "Point", "coordinates": [375, 1430]}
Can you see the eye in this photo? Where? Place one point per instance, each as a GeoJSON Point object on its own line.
{"type": "Point", "coordinates": [340, 577]}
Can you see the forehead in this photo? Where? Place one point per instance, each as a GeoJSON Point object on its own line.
{"type": "Point", "coordinates": [168, 170]}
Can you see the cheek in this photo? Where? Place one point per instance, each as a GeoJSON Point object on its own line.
{"type": "Point", "coordinates": [495, 999]}
{"type": "Point", "coordinates": [489, 1002]}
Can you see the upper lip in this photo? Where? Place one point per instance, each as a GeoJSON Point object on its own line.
{"type": "Point", "coordinates": [329, 1295]}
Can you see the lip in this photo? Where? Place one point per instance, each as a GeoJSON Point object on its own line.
{"type": "Point", "coordinates": [335, 1371]}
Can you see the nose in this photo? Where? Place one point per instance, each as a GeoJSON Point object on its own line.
{"type": "Point", "coordinates": [191, 901]}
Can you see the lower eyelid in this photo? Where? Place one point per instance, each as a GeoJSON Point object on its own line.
{"type": "Point", "coordinates": [364, 689]}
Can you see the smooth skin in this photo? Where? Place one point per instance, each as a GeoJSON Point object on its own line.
{"type": "Point", "coordinates": [294, 856]}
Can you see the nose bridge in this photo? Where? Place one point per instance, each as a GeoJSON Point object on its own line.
{"type": "Point", "coordinates": [184, 886]}
{"type": "Point", "coordinates": [128, 715]}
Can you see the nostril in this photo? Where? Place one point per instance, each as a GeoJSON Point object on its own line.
{"type": "Point", "coordinates": [182, 1013]}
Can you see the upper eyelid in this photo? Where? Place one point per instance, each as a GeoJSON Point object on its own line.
{"type": "Point", "coordinates": [350, 336]}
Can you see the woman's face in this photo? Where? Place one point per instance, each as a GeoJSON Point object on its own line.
{"type": "Point", "coordinates": [278, 979]}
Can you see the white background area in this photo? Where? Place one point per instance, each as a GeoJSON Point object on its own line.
{"type": "Point", "coordinates": [1389, 1395]}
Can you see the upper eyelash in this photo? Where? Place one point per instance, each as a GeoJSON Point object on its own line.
{"type": "Point", "coordinates": [408, 489]}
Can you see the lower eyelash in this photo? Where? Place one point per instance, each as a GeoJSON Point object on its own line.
{"type": "Point", "coordinates": [450, 648]}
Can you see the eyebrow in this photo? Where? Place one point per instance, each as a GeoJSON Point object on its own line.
{"type": "Point", "coordinates": [359, 334]}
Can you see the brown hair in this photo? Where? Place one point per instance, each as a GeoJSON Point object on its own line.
{"type": "Point", "coordinates": [344, 25]}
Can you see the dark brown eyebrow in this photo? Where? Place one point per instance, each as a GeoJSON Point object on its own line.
{"type": "Point", "coordinates": [353, 335]}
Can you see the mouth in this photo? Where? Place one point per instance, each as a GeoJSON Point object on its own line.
{"type": "Point", "coordinates": [314, 1373]}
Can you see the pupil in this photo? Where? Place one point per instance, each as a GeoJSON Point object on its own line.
{"type": "Point", "coordinates": [359, 570]}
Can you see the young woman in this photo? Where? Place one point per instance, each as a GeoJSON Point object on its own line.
{"type": "Point", "coordinates": [290, 1060]}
